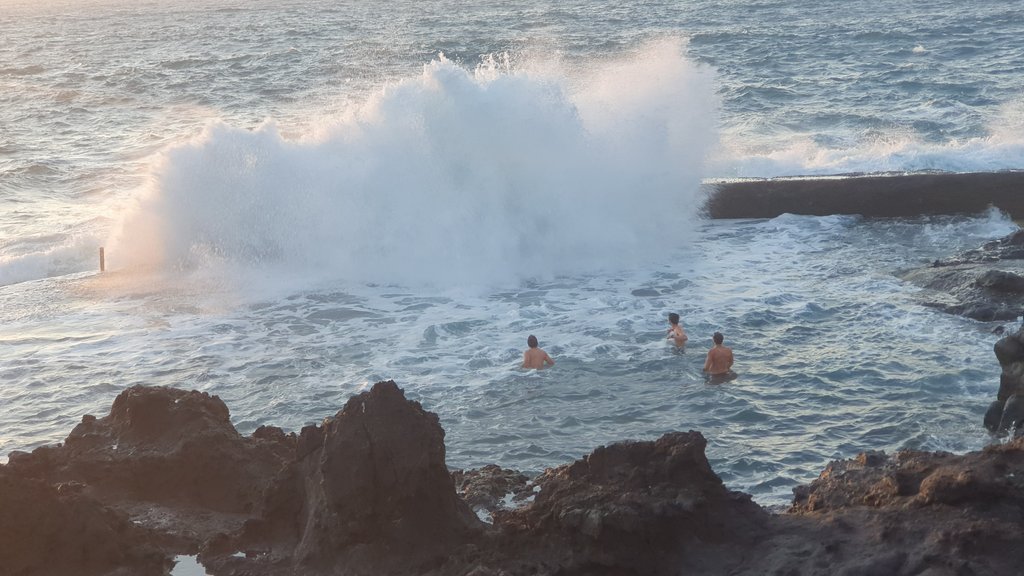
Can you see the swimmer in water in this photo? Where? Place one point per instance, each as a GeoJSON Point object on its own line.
{"type": "Point", "coordinates": [675, 331]}
{"type": "Point", "coordinates": [718, 365]}
{"type": "Point", "coordinates": [534, 357]}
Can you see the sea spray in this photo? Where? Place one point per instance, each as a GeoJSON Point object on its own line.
{"type": "Point", "coordinates": [454, 177]}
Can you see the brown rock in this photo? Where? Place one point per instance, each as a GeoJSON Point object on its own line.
{"type": "Point", "coordinates": [163, 445]}
{"type": "Point", "coordinates": [369, 491]}
{"type": "Point", "coordinates": [636, 508]}
{"type": "Point", "coordinates": [52, 531]}
{"type": "Point", "coordinates": [486, 489]}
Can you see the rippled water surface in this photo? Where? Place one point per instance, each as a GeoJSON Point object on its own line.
{"type": "Point", "coordinates": [835, 355]}
{"type": "Point", "coordinates": [297, 199]}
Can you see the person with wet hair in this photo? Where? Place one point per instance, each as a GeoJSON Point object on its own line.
{"type": "Point", "coordinates": [675, 331]}
{"type": "Point", "coordinates": [534, 357]}
{"type": "Point", "coordinates": [718, 365]}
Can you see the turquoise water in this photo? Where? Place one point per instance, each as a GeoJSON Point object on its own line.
{"type": "Point", "coordinates": [298, 199]}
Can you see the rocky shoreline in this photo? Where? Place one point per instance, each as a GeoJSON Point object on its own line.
{"type": "Point", "coordinates": [367, 492]}
{"type": "Point", "coordinates": [985, 284]}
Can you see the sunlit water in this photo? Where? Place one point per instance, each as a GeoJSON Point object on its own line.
{"type": "Point", "coordinates": [298, 200]}
{"type": "Point", "coordinates": [835, 355]}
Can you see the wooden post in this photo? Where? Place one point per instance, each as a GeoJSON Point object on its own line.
{"type": "Point", "coordinates": [103, 260]}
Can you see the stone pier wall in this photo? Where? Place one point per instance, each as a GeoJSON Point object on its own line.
{"type": "Point", "coordinates": [885, 196]}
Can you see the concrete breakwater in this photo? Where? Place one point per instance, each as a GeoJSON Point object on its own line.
{"type": "Point", "coordinates": [876, 195]}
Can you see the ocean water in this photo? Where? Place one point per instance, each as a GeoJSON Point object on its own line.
{"type": "Point", "coordinates": [297, 199]}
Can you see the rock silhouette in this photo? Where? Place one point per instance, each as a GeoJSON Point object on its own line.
{"type": "Point", "coordinates": [367, 492]}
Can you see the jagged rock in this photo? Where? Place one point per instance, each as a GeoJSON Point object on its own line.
{"type": "Point", "coordinates": [989, 291]}
{"type": "Point", "coordinates": [924, 513]}
{"type": "Point", "coordinates": [56, 530]}
{"type": "Point", "coordinates": [985, 284]}
{"type": "Point", "coordinates": [635, 508]}
{"type": "Point", "coordinates": [1009, 247]}
{"type": "Point", "coordinates": [1006, 413]}
{"type": "Point", "coordinates": [489, 488]}
{"type": "Point", "coordinates": [368, 490]}
{"type": "Point", "coordinates": [165, 445]}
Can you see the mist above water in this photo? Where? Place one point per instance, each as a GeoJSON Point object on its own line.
{"type": "Point", "coordinates": [457, 176]}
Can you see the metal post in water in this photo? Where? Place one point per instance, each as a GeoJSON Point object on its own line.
{"type": "Point", "coordinates": [103, 260]}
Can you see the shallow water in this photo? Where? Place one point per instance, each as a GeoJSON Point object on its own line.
{"type": "Point", "coordinates": [834, 354]}
{"type": "Point", "coordinates": [187, 566]}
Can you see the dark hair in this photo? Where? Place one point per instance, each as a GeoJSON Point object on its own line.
{"type": "Point", "coordinates": [718, 338]}
{"type": "Point", "coordinates": [531, 341]}
{"type": "Point", "coordinates": [673, 318]}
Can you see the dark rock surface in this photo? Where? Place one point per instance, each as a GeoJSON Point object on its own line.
{"type": "Point", "coordinates": [890, 195]}
{"type": "Point", "coordinates": [1006, 413]}
{"type": "Point", "coordinates": [920, 512]}
{"type": "Point", "coordinates": [491, 488]}
{"type": "Point", "coordinates": [632, 508]}
{"type": "Point", "coordinates": [368, 490]}
{"type": "Point", "coordinates": [56, 530]}
{"type": "Point", "coordinates": [168, 458]}
{"type": "Point", "coordinates": [985, 284]}
{"type": "Point", "coordinates": [367, 493]}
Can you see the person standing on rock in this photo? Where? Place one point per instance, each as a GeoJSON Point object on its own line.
{"type": "Point", "coordinates": [718, 365]}
{"type": "Point", "coordinates": [534, 357]}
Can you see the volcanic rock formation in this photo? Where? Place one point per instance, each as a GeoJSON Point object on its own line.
{"type": "Point", "coordinates": [367, 492]}
{"type": "Point", "coordinates": [1006, 413]}
{"type": "Point", "coordinates": [985, 284]}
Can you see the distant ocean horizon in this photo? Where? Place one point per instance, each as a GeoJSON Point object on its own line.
{"type": "Point", "coordinates": [299, 198]}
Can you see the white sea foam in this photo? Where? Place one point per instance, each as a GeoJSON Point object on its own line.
{"type": "Point", "coordinates": [895, 150]}
{"type": "Point", "coordinates": [1001, 149]}
{"type": "Point", "coordinates": [187, 566]}
{"type": "Point", "coordinates": [830, 344]}
{"type": "Point", "coordinates": [69, 256]}
{"type": "Point", "coordinates": [454, 177]}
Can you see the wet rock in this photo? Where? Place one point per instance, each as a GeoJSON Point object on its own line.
{"type": "Point", "coordinates": [985, 284]}
{"type": "Point", "coordinates": [989, 292]}
{"type": "Point", "coordinates": [1000, 280]}
{"type": "Point", "coordinates": [909, 478]}
{"type": "Point", "coordinates": [1006, 413]}
{"type": "Point", "coordinates": [1009, 247]}
{"type": "Point", "coordinates": [492, 488]}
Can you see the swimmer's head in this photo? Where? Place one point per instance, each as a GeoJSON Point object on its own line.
{"type": "Point", "coordinates": [531, 341]}
{"type": "Point", "coordinates": [718, 338]}
{"type": "Point", "coordinates": [673, 318]}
